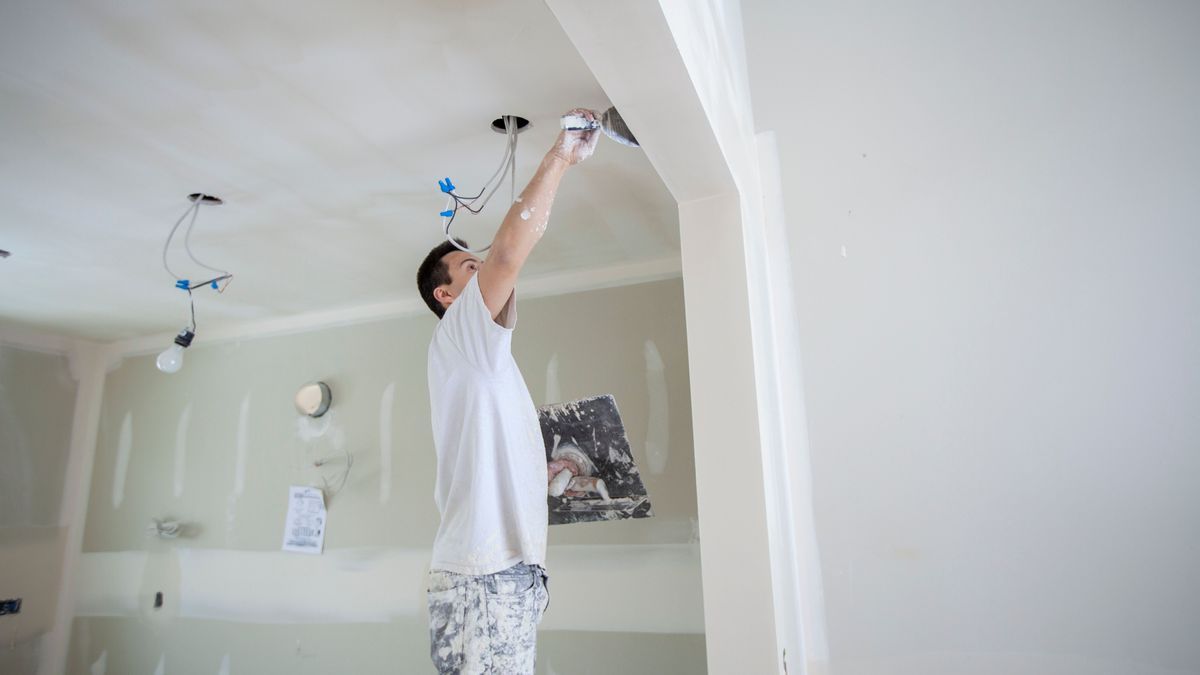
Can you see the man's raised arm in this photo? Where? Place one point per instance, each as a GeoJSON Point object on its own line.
{"type": "Point", "coordinates": [526, 220]}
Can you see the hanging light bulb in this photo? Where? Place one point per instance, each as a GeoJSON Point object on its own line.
{"type": "Point", "coordinates": [171, 359]}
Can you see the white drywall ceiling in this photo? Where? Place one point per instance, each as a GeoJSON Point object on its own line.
{"type": "Point", "coordinates": [324, 127]}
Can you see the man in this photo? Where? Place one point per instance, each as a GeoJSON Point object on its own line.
{"type": "Point", "coordinates": [487, 581]}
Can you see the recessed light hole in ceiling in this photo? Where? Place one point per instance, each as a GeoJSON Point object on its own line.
{"type": "Point", "coordinates": [499, 126]}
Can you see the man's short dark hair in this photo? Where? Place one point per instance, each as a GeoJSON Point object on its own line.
{"type": "Point", "coordinates": [433, 273]}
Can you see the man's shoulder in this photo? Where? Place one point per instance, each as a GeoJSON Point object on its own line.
{"type": "Point", "coordinates": [439, 336]}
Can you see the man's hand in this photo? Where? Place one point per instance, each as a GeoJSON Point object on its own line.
{"type": "Point", "coordinates": [555, 467]}
{"type": "Point", "coordinates": [559, 473]}
{"type": "Point", "coordinates": [573, 147]}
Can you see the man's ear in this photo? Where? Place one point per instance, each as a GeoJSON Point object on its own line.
{"type": "Point", "coordinates": [443, 295]}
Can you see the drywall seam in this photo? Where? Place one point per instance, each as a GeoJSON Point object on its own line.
{"type": "Point", "coordinates": [121, 467]}
{"type": "Point", "coordinates": [658, 443]}
{"type": "Point", "coordinates": [239, 469]}
{"type": "Point", "coordinates": [553, 388]}
{"type": "Point", "coordinates": [797, 579]}
{"type": "Point", "coordinates": [386, 402]}
{"type": "Point", "coordinates": [181, 432]}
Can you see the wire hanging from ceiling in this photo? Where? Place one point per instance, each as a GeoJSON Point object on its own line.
{"type": "Point", "coordinates": [171, 359]}
{"type": "Point", "coordinates": [506, 169]}
{"type": "Point", "coordinates": [186, 284]}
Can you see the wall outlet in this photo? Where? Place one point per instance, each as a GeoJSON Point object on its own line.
{"type": "Point", "coordinates": [12, 606]}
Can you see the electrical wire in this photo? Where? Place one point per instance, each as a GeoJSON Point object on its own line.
{"type": "Point", "coordinates": [187, 241]}
{"type": "Point", "coordinates": [506, 168]}
{"type": "Point", "coordinates": [508, 161]}
{"type": "Point", "coordinates": [223, 275]}
{"type": "Point", "coordinates": [348, 459]}
{"type": "Point", "coordinates": [194, 206]}
{"type": "Point", "coordinates": [467, 202]}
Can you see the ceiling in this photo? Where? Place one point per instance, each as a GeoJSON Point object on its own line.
{"type": "Point", "coordinates": [323, 126]}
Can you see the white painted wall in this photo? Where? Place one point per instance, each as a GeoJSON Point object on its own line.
{"type": "Point", "coordinates": [993, 217]}
{"type": "Point", "coordinates": [677, 71]}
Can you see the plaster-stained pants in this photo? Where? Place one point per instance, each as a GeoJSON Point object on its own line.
{"type": "Point", "coordinates": [486, 624]}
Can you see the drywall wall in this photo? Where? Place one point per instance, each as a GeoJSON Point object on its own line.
{"type": "Point", "coordinates": [37, 402]}
{"type": "Point", "coordinates": [992, 211]}
{"type": "Point", "coordinates": [217, 445]}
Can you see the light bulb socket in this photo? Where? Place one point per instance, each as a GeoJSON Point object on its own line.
{"type": "Point", "coordinates": [184, 339]}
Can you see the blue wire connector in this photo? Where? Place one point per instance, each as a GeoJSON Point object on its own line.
{"type": "Point", "coordinates": [183, 284]}
{"type": "Point", "coordinates": [446, 214]}
{"type": "Point", "coordinates": [446, 185]}
{"type": "Point", "coordinates": [214, 284]}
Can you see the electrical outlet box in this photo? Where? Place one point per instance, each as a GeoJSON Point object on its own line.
{"type": "Point", "coordinates": [12, 606]}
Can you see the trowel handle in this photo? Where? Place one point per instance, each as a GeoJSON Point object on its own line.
{"type": "Point", "coordinates": [578, 123]}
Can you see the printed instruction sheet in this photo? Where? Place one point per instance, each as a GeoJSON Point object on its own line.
{"type": "Point", "coordinates": [304, 531]}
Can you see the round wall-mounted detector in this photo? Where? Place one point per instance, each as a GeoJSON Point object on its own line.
{"type": "Point", "coordinates": [498, 124]}
{"type": "Point", "coordinates": [313, 399]}
{"type": "Point", "coordinates": [207, 199]}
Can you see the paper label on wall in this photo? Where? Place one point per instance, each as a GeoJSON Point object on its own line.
{"type": "Point", "coordinates": [304, 531]}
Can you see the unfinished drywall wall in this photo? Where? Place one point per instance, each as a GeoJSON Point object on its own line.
{"type": "Point", "coordinates": [993, 212]}
{"type": "Point", "coordinates": [37, 402]}
{"type": "Point", "coordinates": [218, 444]}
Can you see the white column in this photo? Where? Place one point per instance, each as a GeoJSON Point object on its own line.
{"type": "Point", "coordinates": [675, 72]}
{"type": "Point", "coordinates": [739, 607]}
